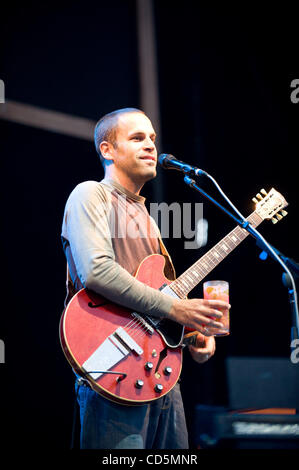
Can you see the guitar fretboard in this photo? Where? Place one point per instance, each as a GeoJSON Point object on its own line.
{"type": "Point", "coordinates": [199, 270]}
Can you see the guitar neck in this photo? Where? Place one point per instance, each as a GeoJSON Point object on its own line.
{"type": "Point", "coordinates": [199, 270]}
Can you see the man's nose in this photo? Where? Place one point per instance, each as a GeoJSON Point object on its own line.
{"type": "Point", "coordinates": [149, 144]}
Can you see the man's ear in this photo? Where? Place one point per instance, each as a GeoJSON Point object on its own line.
{"type": "Point", "coordinates": [107, 150]}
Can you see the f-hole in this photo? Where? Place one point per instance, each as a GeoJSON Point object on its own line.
{"type": "Point", "coordinates": [163, 354]}
{"type": "Point", "coordinates": [91, 305]}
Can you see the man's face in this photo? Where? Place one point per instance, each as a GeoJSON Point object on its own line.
{"type": "Point", "coordinates": [135, 153]}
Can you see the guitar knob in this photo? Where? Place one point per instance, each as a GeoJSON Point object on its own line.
{"type": "Point", "coordinates": [139, 383]}
{"type": "Point", "coordinates": [167, 370]}
{"type": "Point", "coordinates": [158, 388]}
{"type": "Point", "coordinates": [149, 366]}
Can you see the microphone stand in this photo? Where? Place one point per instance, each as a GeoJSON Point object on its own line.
{"type": "Point", "coordinates": [240, 220]}
{"type": "Point", "coordinates": [287, 282]}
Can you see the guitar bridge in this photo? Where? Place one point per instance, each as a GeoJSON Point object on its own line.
{"type": "Point", "coordinates": [127, 340]}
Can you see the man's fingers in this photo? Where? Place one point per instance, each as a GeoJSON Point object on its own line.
{"type": "Point", "coordinates": [211, 322]}
{"type": "Point", "coordinates": [200, 340]}
{"type": "Point", "coordinates": [211, 312]}
{"type": "Point", "coordinates": [204, 331]}
{"type": "Point", "coordinates": [216, 303]}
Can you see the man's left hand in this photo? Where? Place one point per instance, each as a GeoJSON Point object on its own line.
{"type": "Point", "coordinates": [204, 348]}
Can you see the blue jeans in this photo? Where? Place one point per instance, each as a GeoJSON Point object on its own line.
{"type": "Point", "coordinates": [107, 425]}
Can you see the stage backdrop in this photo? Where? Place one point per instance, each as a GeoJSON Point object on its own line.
{"type": "Point", "coordinates": [224, 88]}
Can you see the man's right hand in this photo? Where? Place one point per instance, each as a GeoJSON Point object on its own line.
{"type": "Point", "coordinates": [198, 314]}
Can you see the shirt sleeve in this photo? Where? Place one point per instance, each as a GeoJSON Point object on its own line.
{"type": "Point", "coordinates": [86, 230]}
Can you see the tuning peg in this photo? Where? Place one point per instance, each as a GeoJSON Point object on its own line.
{"type": "Point", "coordinates": [274, 220]}
{"type": "Point", "coordinates": [254, 199]}
{"type": "Point", "coordinates": [283, 213]}
{"type": "Point", "coordinates": [264, 192]}
{"type": "Point", "coordinates": [259, 196]}
{"type": "Point", "coordinates": [279, 216]}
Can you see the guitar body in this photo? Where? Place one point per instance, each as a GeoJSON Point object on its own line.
{"type": "Point", "coordinates": [89, 320]}
{"type": "Point", "coordinates": [131, 358]}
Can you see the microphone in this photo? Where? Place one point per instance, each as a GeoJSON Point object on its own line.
{"type": "Point", "coordinates": [169, 162]}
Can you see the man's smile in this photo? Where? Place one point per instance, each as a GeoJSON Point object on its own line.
{"type": "Point", "coordinates": [148, 157]}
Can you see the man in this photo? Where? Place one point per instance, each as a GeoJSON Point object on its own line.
{"type": "Point", "coordinates": [103, 259]}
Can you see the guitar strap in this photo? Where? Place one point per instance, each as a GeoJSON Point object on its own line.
{"type": "Point", "coordinates": [169, 272]}
{"type": "Point", "coordinates": [70, 288]}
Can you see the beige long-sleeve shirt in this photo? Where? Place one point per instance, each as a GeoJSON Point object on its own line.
{"type": "Point", "coordinates": [106, 233]}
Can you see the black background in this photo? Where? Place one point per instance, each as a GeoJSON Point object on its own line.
{"type": "Point", "coordinates": [224, 84]}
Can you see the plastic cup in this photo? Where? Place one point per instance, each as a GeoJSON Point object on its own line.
{"type": "Point", "coordinates": [218, 290]}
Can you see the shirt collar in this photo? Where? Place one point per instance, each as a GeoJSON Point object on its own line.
{"type": "Point", "coordinates": [126, 192]}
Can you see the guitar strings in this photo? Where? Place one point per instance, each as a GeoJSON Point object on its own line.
{"type": "Point", "coordinates": [135, 326]}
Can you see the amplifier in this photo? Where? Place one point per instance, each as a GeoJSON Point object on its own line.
{"type": "Point", "coordinates": [269, 428]}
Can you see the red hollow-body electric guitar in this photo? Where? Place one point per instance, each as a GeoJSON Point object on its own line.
{"type": "Point", "coordinates": [132, 358]}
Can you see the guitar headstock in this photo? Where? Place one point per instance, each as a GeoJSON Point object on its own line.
{"type": "Point", "coordinates": [269, 205]}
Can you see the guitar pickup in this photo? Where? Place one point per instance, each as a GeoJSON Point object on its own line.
{"type": "Point", "coordinates": [166, 289]}
{"type": "Point", "coordinates": [128, 341]}
{"type": "Point", "coordinates": [144, 323]}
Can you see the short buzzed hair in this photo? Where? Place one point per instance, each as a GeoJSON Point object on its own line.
{"type": "Point", "coordinates": [106, 128]}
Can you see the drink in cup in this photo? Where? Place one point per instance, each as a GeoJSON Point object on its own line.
{"type": "Point", "coordinates": [218, 290]}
